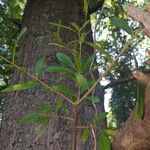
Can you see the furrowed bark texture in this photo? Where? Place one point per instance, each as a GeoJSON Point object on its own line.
{"type": "Point", "coordinates": [135, 134]}
{"type": "Point", "coordinates": [37, 14]}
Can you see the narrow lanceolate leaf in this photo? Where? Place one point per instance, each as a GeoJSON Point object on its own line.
{"type": "Point", "coordinates": [85, 24]}
{"type": "Point", "coordinates": [81, 81]}
{"type": "Point", "coordinates": [104, 140]}
{"type": "Point", "coordinates": [99, 117]}
{"type": "Point", "coordinates": [94, 99]}
{"type": "Point", "coordinates": [101, 49]}
{"type": "Point", "coordinates": [59, 69]}
{"type": "Point", "coordinates": [39, 66]}
{"type": "Point", "coordinates": [85, 9]}
{"type": "Point", "coordinates": [59, 105]}
{"type": "Point", "coordinates": [140, 101]}
{"type": "Point", "coordinates": [27, 118]}
{"type": "Point", "coordinates": [122, 24]}
{"type": "Point", "coordinates": [64, 59]}
{"type": "Point", "coordinates": [22, 32]}
{"type": "Point", "coordinates": [77, 28]}
{"type": "Point", "coordinates": [43, 108]}
{"type": "Point", "coordinates": [78, 62]}
{"type": "Point", "coordinates": [62, 26]}
{"type": "Point", "coordinates": [87, 63]}
{"type": "Point", "coordinates": [63, 89]}
{"type": "Point", "coordinates": [36, 118]}
{"type": "Point", "coordinates": [20, 86]}
{"type": "Point", "coordinates": [85, 135]}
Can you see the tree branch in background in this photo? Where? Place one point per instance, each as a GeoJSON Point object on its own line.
{"type": "Point", "coordinates": [96, 7]}
{"type": "Point", "coordinates": [125, 80]}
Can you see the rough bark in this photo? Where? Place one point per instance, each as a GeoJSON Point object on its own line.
{"type": "Point", "coordinates": [135, 134]}
{"type": "Point", "coordinates": [37, 14]}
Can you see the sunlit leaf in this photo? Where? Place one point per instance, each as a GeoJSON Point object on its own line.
{"type": "Point", "coordinates": [85, 135]}
{"type": "Point", "coordinates": [20, 86]}
{"type": "Point", "coordinates": [110, 132]}
{"type": "Point", "coordinates": [86, 6]}
{"type": "Point", "coordinates": [104, 140]}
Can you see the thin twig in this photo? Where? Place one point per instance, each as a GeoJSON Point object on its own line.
{"type": "Point", "coordinates": [75, 129]}
{"type": "Point", "coordinates": [60, 117]}
{"type": "Point", "coordinates": [36, 79]}
{"type": "Point", "coordinates": [87, 127]}
{"type": "Point", "coordinates": [125, 48]}
{"type": "Point", "coordinates": [95, 139]}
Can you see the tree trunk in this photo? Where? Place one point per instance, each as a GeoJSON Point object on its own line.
{"type": "Point", "coordinates": [135, 133]}
{"type": "Point", "coordinates": [37, 14]}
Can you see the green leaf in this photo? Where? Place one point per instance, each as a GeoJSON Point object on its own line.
{"type": "Point", "coordinates": [110, 132]}
{"type": "Point", "coordinates": [43, 108]}
{"type": "Point", "coordinates": [2, 83]}
{"type": "Point", "coordinates": [40, 119]}
{"type": "Point", "coordinates": [59, 105]}
{"type": "Point", "coordinates": [122, 24]}
{"type": "Point", "coordinates": [81, 81]}
{"type": "Point", "coordinates": [99, 117]}
{"type": "Point", "coordinates": [36, 118]}
{"type": "Point", "coordinates": [21, 86]}
{"type": "Point", "coordinates": [59, 69]}
{"type": "Point", "coordinates": [27, 118]}
{"type": "Point", "coordinates": [21, 33]}
{"type": "Point", "coordinates": [66, 60]}
{"type": "Point", "coordinates": [86, 6]}
{"type": "Point", "coordinates": [63, 89]}
{"type": "Point", "coordinates": [101, 49]}
{"type": "Point", "coordinates": [62, 26]}
{"type": "Point", "coordinates": [77, 28]}
{"type": "Point", "coordinates": [94, 99]}
{"type": "Point", "coordinates": [39, 65]}
{"type": "Point", "coordinates": [85, 24]}
{"type": "Point", "coordinates": [85, 135]}
{"type": "Point", "coordinates": [104, 140]}
{"type": "Point", "coordinates": [87, 63]}
{"type": "Point", "coordinates": [78, 63]}
{"type": "Point", "coordinates": [140, 100]}
{"type": "Point", "coordinates": [56, 44]}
